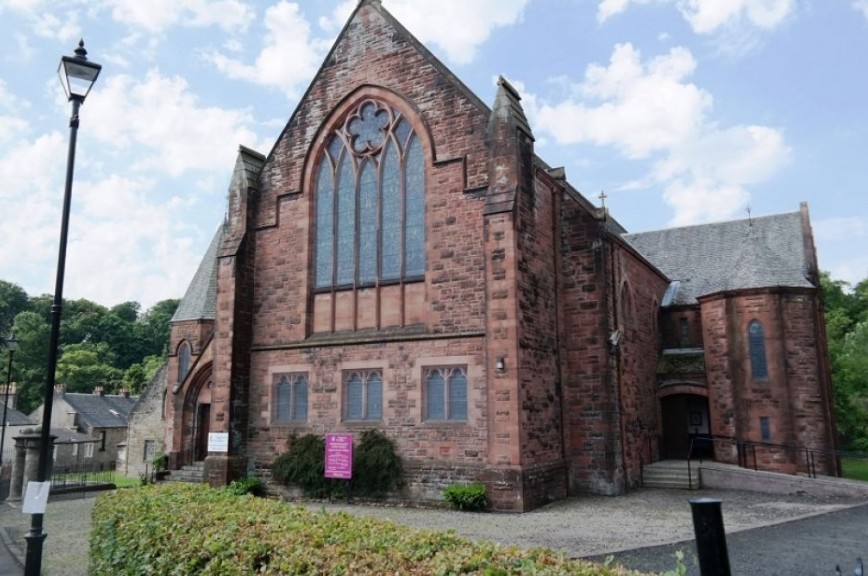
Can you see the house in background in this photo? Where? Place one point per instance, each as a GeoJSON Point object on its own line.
{"type": "Point", "coordinates": [16, 423]}
{"type": "Point", "coordinates": [403, 260]}
{"type": "Point", "coordinates": [145, 428]}
{"type": "Point", "coordinates": [73, 449]}
{"type": "Point", "coordinates": [100, 416]}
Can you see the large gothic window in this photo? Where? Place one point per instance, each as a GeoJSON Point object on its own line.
{"type": "Point", "coordinates": [183, 361]}
{"type": "Point", "coordinates": [370, 201]}
{"type": "Point", "coordinates": [757, 346]}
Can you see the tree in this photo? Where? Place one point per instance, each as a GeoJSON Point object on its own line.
{"type": "Point", "coordinates": [31, 359]}
{"type": "Point", "coordinates": [84, 366]}
{"type": "Point", "coordinates": [13, 300]}
{"type": "Point", "coordinates": [138, 376]}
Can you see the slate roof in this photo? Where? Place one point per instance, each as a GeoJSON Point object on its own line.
{"type": "Point", "coordinates": [16, 418]}
{"type": "Point", "coordinates": [67, 436]}
{"type": "Point", "coordinates": [107, 411]}
{"type": "Point", "coordinates": [200, 300]}
{"type": "Point", "coordinates": [752, 253]}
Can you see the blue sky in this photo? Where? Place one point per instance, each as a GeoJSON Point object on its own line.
{"type": "Point", "coordinates": [683, 111]}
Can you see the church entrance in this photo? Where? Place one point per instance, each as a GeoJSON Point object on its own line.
{"type": "Point", "coordinates": [203, 417]}
{"type": "Point", "coordinates": [686, 427]}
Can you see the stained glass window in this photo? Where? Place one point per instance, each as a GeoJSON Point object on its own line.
{"type": "Point", "coordinates": [290, 398]}
{"type": "Point", "coordinates": [370, 201]}
{"type": "Point", "coordinates": [757, 346]}
{"type": "Point", "coordinates": [446, 394]}
{"type": "Point", "coordinates": [363, 395]}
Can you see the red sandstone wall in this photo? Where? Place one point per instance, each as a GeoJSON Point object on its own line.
{"type": "Point", "coordinates": [792, 397]}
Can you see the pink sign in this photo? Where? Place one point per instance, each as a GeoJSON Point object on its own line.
{"type": "Point", "coordinates": [339, 456]}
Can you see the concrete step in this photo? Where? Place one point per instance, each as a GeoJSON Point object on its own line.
{"type": "Point", "coordinates": [670, 474]}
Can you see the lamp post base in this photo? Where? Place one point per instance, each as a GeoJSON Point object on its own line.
{"type": "Point", "coordinates": [33, 557]}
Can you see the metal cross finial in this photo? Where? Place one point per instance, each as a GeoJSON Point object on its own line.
{"type": "Point", "coordinates": [602, 198]}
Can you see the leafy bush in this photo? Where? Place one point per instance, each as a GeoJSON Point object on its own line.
{"type": "Point", "coordinates": [180, 529]}
{"type": "Point", "coordinates": [303, 465]}
{"type": "Point", "coordinates": [468, 497]}
{"type": "Point", "coordinates": [160, 462]}
{"type": "Point", "coordinates": [376, 465]}
{"type": "Point", "coordinates": [250, 485]}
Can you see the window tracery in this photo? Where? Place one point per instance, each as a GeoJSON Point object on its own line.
{"type": "Point", "coordinates": [370, 201]}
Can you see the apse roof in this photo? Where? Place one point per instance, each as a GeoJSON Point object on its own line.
{"type": "Point", "coordinates": [709, 258]}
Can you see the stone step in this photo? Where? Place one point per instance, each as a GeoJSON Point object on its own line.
{"type": "Point", "coordinates": [670, 474]}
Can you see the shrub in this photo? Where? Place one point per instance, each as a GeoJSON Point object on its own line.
{"type": "Point", "coordinates": [376, 465]}
{"type": "Point", "coordinates": [160, 462]}
{"type": "Point", "coordinates": [468, 497]}
{"type": "Point", "coordinates": [250, 485]}
{"type": "Point", "coordinates": [180, 529]}
{"type": "Point", "coordinates": [303, 465]}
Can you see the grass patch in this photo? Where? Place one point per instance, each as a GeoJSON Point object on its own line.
{"type": "Point", "coordinates": [854, 468]}
{"type": "Point", "coordinates": [126, 481]}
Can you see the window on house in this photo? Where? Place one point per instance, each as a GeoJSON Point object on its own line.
{"type": "Point", "coordinates": [370, 201]}
{"type": "Point", "coordinates": [88, 450]}
{"type": "Point", "coordinates": [757, 346]}
{"type": "Point", "coordinates": [684, 332]}
{"type": "Point", "coordinates": [54, 452]}
{"type": "Point", "coordinates": [102, 441]}
{"type": "Point", "coordinates": [765, 432]}
{"type": "Point", "coordinates": [290, 397]}
{"type": "Point", "coordinates": [75, 448]}
{"type": "Point", "coordinates": [363, 395]}
{"type": "Point", "coordinates": [446, 393]}
{"type": "Point", "coordinates": [149, 451]}
{"type": "Point", "coordinates": [183, 361]}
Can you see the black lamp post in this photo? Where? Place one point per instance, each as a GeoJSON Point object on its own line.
{"type": "Point", "coordinates": [12, 345]}
{"type": "Point", "coordinates": [77, 74]}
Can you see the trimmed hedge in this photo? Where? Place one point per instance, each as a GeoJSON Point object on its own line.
{"type": "Point", "coordinates": [176, 529]}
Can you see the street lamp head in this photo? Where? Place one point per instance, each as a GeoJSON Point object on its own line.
{"type": "Point", "coordinates": [12, 343]}
{"type": "Point", "coordinates": [78, 74]}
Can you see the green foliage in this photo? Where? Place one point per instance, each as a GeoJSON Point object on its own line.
{"type": "Point", "coordinates": [854, 468]}
{"type": "Point", "coordinates": [250, 485]}
{"type": "Point", "coordinates": [121, 337]}
{"type": "Point", "coordinates": [377, 467]}
{"type": "Point", "coordinates": [847, 333]}
{"type": "Point", "coordinates": [303, 465]}
{"type": "Point", "coordinates": [160, 462]}
{"type": "Point", "coordinates": [178, 529]}
{"type": "Point", "coordinates": [680, 567]}
{"type": "Point", "coordinates": [467, 497]}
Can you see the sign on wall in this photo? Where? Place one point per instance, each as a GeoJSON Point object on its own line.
{"type": "Point", "coordinates": [339, 456]}
{"type": "Point", "coordinates": [218, 442]}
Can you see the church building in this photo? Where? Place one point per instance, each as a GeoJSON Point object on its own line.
{"type": "Point", "coordinates": [403, 260]}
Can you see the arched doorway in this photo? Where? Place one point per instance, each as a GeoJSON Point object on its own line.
{"type": "Point", "coordinates": [197, 417]}
{"type": "Point", "coordinates": [686, 426]}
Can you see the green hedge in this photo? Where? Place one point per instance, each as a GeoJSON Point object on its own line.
{"type": "Point", "coordinates": [177, 529]}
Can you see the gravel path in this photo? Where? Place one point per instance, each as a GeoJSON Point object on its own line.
{"type": "Point", "coordinates": [583, 526]}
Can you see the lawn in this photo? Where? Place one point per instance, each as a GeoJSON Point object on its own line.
{"type": "Point", "coordinates": [854, 468]}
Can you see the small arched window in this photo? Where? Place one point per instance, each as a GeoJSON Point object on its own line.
{"type": "Point", "coordinates": [370, 201]}
{"type": "Point", "coordinates": [183, 361]}
{"type": "Point", "coordinates": [757, 349]}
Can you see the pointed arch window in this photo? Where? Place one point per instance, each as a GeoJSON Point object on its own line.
{"type": "Point", "coordinates": [370, 201]}
{"type": "Point", "coordinates": [183, 361]}
{"type": "Point", "coordinates": [757, 349]}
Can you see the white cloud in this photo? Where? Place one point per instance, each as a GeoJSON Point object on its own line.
{"type": "Point", "coordinates": [709, 16]}
{"type": "Point", "coordinates": [48, 25]}
{"type": "Point", "coordinates": [289, 58]}
{"type": "Point", "coordinates": [458, 27]}
{"type": "Point", "coordinates": [174, 131]}
{"type": "Point", "coordinates": [650, 110]}
{"type": "Point", "coordinates": [860, 6]}
{"type": "Point", "coordinates": [639, 108]}
{"type": "Point", "coordinates": [156, 15]}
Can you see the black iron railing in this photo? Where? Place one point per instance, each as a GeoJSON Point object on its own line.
{"type": "Point", "coordinates": [82, 475]}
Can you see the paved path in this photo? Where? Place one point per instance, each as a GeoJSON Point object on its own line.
{"type": "Point", "coordinates": [808, 546]}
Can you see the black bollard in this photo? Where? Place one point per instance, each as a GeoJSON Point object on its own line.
{"type": "Point", "coordinates": [710, 537]}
